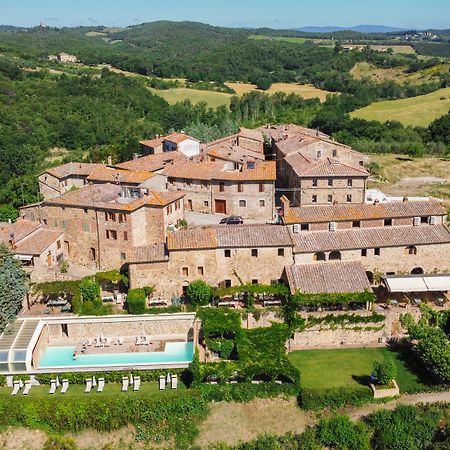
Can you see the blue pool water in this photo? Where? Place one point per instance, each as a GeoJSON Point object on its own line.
{"type": "Point", "coordinates": [174, 353]}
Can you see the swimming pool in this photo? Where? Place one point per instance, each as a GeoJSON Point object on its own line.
{"type": "Point", "coordinates": [62, 357]}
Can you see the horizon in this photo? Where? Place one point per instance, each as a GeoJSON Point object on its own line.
{"type": "Point", "coordinates": [286, 14]}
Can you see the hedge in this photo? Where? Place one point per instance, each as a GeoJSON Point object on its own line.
{"type": "Point", "coordinates": [322, 299]}
{"type": "Point", "coordinates": [319, 399]}
{"type": "Point", "coordinates": [136, 301]}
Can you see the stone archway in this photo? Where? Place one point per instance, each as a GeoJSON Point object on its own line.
{"type": "Point", "coordinates": [417, 271]}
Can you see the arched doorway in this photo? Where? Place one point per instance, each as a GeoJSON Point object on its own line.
{"type": "Point", "coordinates": [67, 248]}
{"type": "Point", "coordinates": [92, 254]}
{"type": "Point", "coordinates": [417, 271]}
{"type": "Point", "coordinates": [370, 276]}
{"type": "Point", "coordinates": [320, 256]}
{"type": "Point", "coordinates": [411, 250]}
{"type": "Point", "coordinates": [335, 256]}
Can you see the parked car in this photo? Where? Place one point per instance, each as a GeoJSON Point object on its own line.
{"type": "Point", "coordinates": [232, 220]}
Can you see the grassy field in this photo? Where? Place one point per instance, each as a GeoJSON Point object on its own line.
{"type": "Point", "coordinates": [292, 40]}
{"type": "Point", "coordinates": [415, 111]}
{"type": "Point", "coordinates": [407, 49]}
{"type": "Point", "coordinates": [213, 99]}
{"type": "Point", "coordinates": [364, 70]}
{"type": "Point", "coordinates": [323, 369]}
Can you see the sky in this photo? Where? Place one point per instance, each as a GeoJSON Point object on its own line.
{"type": "Point", "coordinates": [410, 14]}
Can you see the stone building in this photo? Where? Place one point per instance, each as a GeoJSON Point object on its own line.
{"type": "Point", "coordinates": [211, 188]}
{"type": "Point", "coordinates": [222, 256]}
{"type": "Point", "coordinates": [180, 142]}
{"type": "Point", "coordinates": [34, 244]}
{"type": "Point", "coordinates": [102, 223]}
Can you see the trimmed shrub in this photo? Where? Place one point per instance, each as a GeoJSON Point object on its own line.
{"type": "Point", "coordinates": [340, 432]}
{"type": "Point", "coordinates": [319, 399]}
{"type": "Point", "coordinates": [384, 371]}
{"type": "Point", "coordinates": [136, 301]}
{"type": "Point", "coordinates": [199, 293]}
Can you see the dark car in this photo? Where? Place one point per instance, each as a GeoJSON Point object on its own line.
{"type": "Point", "coordinates": [232, 220]}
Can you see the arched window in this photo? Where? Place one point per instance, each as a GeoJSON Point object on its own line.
{"type": "Point", "coordinates": [92, 254]}
{"type": "Point", "coordinates": [411, 250]}
{"type": "Point", "coordinates": [370, 276]}
{"type": "Point", "coordinates": [417, 271]}
{"type": "Point", "coordinates": [320, 256]}
{"type": "Point", "coordinates": [335, 256]}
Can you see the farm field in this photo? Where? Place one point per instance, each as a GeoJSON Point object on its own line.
{"type": "Point", "coordinates": [323, 369]}
{"type": "Point", "coordinates": [292, 40]}
{"type": "Point", "coordinates": [415, 111]}
{"type": "Point", "coordinates": [364, 70]}
{"type": "Point", "coordinates": [407, 49]}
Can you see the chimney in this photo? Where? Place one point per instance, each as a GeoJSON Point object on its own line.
{"type": "Point", "coordinates": [286, 205]}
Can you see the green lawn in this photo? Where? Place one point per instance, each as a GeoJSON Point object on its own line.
{"type": "Point", "coordinates": [415, 111]}
{"type": "Point", "coordinates": [110, 390]}
{"type": "Point", "coordinates": [323, 369]}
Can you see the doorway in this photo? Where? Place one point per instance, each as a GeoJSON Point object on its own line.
{"type": "Point", "coordinates": [220, 206]}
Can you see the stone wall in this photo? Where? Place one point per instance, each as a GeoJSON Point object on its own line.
{"type": "Point", "coordinates": [431, 258]}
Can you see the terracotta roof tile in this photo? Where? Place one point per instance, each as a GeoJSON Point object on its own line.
{"type": "Point", "coordinates": [150, 253]}
{"type": "Point", "coordinates": [196, 238]}
{"type": "Point", "coordinates": [153, 143]}
{"type": "Point", "coordinates": [38, 242]}
{"type": "Point", "coordinates": [328, 277]}
{"type": "Point", "coordinates": [108, 196]}
{"type": "Point", "coordinates": [337, 213]}
{"type": "Point", "coordinates": [21, 229]}
{"type": "Point", "coordinates": [234, 153]}
{"type": "Point", "coordinates": [73, 168]}
{"type": "Point", "coordinates": [255, 135]}
{"type": "Point", "coordinates": [317, 241]}
{"type": "Point", "coordinates": [152, 163]}
{"type": "Point", "coordinates": [111, 175]}
{"type": "Point", "coordinates": [177, 138]}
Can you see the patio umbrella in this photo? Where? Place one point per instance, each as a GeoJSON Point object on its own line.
{"type": "Point", "coordinates": [21, 383]}
{"type": "Point", "coordinates": [168, 378]}
{"type": "Point", "coordinates": [57, 382]}
{"type": "Point", "coordinates": [94, 381]}
{"type": "Point", "coordinates": [131, 379]}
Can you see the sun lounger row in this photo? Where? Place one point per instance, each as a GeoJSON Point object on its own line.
{"type": "Point", "coordinates": [165, 381]}
{"type": "Point", "coordinates": [19, 384]}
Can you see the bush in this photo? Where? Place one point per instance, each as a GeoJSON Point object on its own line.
{"type": "Point", "coordinates": [57, 442]}
{"type": "Point", "coordinates": [341, 433]}
{"type": "Point", "coordinates": [199, 293]}
{"type": "Point", "coordinates": [384, 371]}
{"type": "Point", "coordinates": [319, 399]}
{"type": "Point", "coordinates": [136, 301]}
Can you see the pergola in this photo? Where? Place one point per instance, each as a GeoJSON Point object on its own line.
{"type": "Point", "coordinates": [417, 283]}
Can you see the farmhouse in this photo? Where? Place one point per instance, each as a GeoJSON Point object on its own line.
{"type": "Point", "coordinates": [180, 142]}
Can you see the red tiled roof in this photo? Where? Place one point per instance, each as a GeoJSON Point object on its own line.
{"type": "Point", "coordinates": [328, 277]}
{"type": "Point", "coordinates": [21, 229]}
{"type": "Point", "coordinates": [73, 168]}
{"type": "Point", "coordinates": [152, 143]}
{"type": "Point", "coordinates": [358, 238]}
{"type": "Point", "coordinates": [150, 253]}
{"type": "Point", "coordinates": [38, 242]}
{"type": "Point", "coordinates": [366, 211]}
{"type": "Point", "coordinates": [177, 138]}
{"type": "Point", "coordinates": [111, 175]}
{"type": "Point", "coordinates": [152, 163]}
{"type": "Point", "coordinates": [255, 135]}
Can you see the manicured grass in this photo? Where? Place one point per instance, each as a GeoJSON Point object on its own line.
{"type": "Point", "coordinates": [415, 111]}
{"type": "Point", "coordinates": [110, 390]}
{"type": "Point", "coordinates": [322, 369]}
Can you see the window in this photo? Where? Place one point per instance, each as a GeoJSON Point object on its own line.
{"type": "Point", "coordinates": [122, 218]}
{"type": "Point", "coordinates": [206, 203]}
{"type": "Point", "coordinates": [221, 187]}
{"type": "Point", "coordinates": [330, 199]}
{"type": "Point", "coordinates": [86, 227]}
{"type": "Point", "coordinates": [205, 184]}
{"type": "Point", "coordinates": [364, 252]}
{"type": "Point", "coordinates": [261, 187]}
{"type": "Point", "coordinates": [334, 153]}
{"type": "Point", "coordinates": [254, 281]}
{"type": "Point", "coordinates": [356, 224]}
{"type": "Point", "coordinates": [171, 180]}
{"type": "Point", "coordinates": [110, 216]}
{"type": "Point", "coordinates": [240, 187]}
{"type": "Point", "coordinates": [111, 234]}
{"type": "Point", "coordinates": [330, 182]}
{"type": "Point", "coordinates": [64, 224]}
{"type": "Point", "coordinates": [304, 226]}
{"type": "Point", "coordinates": [335, 256]}
{"type": "Point", "coordinates": [55, 222]}
{"type": "Point", "coordinates": [262, 203]}
{"type": "Point", "coordinates": [242, 203]}
{"type": "Point", "coordinates": [227, 253]}
{"type": "Point", "coordinates": [227, 283]}
{"type": "Point", "coordinates": [123, 256]}
{"type": "Point", "coordinates": [320, 256]}
{"type": "Point", "coordinates": [58, 244]}
{"type": "Point", "coordinates": [44, 221]}
{"type": "Point", "coordinates": [125, 235]}
{"type": "Point", "coordinates": [349, 183]}
{"type": "Point", "coordinates": [281, 252]}
{"type": "Point", "coordinates": [92, 254]}
{"type": "Point", "coordinates": [349, 198]}
{"type": "Point", "coordinates": [377, 251]}
{"type": "Point", "coordinates": [185, 271]}
{"type": "Point", "coordinates": [314, 183]}
{"type": "Point", "coordinates": [200, 270]}
{"type": "Point", "coordinates": [314, 199]}
{"type": "Point", "coordinates": [85, 210]}
{"type": "Point", "coordinates": [387, 222]}
{"type": "Point", "coordinates": [63, 208]}
{"type": "Point", "coordinates": [411, 250]}
{"type": "Point", "coordinates": [255, 252]}
{"type": "Point", "coordinates": [424, 219]}
{"type": "Point", "coordinates": [187, 182]}
{"type": "Point", "coordinates": [319, 153]}
{"type": "Point", "coordinates": [361, 163]}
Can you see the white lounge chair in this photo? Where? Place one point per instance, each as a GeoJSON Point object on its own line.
{"type": "Point", "coordinates": [125, 384]}
{"type": "Point", "coordinates": [138, 340]}
{"type": "Point", "coordinates": [89, 342]}
{"type": "Point", "coordinates": [52, 387]}
{"type": "Point", "coordinates": [120, 341]}
{"type": "Point", "coordinates": [65, 386]}
{"type": "Point", "coordinates": [137, 383]}
{"type": "Point", "coordinates": [174, 381]}
{"type": "Point", "coordinates": [16, 389]}
{"type": "Point", "coordinates": [27, 387]}
{"type": "Point", "coordinates": [106, 342]}
{"type": "Point", "coordinates": [88, 385]}
{"type": "Point", "coordinates": [162, 382]}
{"type": "Point", "coordinates": [101, 384]}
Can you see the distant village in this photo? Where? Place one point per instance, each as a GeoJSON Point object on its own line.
{"type": "Point", "coordinates": [309, 220]}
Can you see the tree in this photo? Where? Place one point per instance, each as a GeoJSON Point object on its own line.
{"type": "Point", "coordinates": [384, 371]}
{"type": "Point", "coordinates": [263, 83]}
{"type": "Point", "coordinates": [339, 432]}
{"type": "Point", "coordinates": [7, 212]}
{"type": "Point", "coordinates": [136, 301]}
{"type": "Point", "coordinates": [199, 293]}
{"type": "Point", "coordinates": [13, 286]}
{"type": "Point", "coordinates": [90, 296]}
